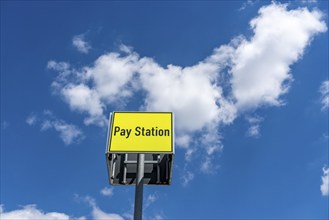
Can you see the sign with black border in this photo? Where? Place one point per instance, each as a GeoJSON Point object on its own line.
{"type": "Point", "coordinates": [141, 132]}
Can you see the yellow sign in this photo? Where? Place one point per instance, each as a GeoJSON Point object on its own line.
{"type": "Point", "coordinates": [141, 132]}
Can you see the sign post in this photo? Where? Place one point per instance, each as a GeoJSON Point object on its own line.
{"type": "Point", "coordinates": [138, 209]}
{"type": "Point", "coordinates": [140, 151]}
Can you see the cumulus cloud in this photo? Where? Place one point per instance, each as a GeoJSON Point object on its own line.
{"type": "Point", "coordinates": [325, 182]}
{"type": "Point", "coordinates": [190, 92]}
{"type": "Point", "coordinates": [246, 73]}
{"type": "Point", "coordinates": [111, 75]}
{"type": "Point", "coordinates": [183, 140]}
{"type": "Point", "coordinates": [31, 212]}
{"type": "Point", "coordinates": [107, 191]}
{"type": "Point", "coordinates": [69, 133]}
{"type": "Point", "coordinates": [261, 65]}
{"type": "Point", "coordinates": [80, 97]}
{"type": "Point", "coordinates": [80, 44]}
{"type": "Point", "coordinates": [97, 213]}
{"type": "Point", "coordinates": [324, 90]}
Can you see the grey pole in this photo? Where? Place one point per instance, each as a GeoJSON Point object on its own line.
{"type": "Point", "coordinates": [138, 212]}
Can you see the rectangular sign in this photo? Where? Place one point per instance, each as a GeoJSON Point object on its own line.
{"type": "Point", "coordinates": [141, 132]}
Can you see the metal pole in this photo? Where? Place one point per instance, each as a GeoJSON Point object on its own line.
{"type": "Point", "coordinates": [138, 213]}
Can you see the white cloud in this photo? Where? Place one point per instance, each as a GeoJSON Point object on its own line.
{"type": "Point", "coordinates": [214, 148]}
{"type": "Point", "coordinates": [325, 182]}
{"type": "Point", "coordinates": [31, 119]}
{"type": "Point", "coordinates": [150, 199]}
{"type": "Point", "coordinates": [208, 166]}
{"type": "Point", "coordinates": [246, 4]}
{"type": "Point", "coordinates": [111, 74]}
{"type": "Point", "coordinates": [97, 213]}
{"type": "Point", "coordinates": [254, 129]}
{"type": "Point", "coordinates": [260, 72]}
{"type": "Point", "coordinates": [45, 125]}
{"type": "Point", "coordinates": [31, 212]}
{"type": "Point", "coordinates": [58, 66]}
{"type": "Point", "coordinates": [324, 89]}
{"type": "Point", "coordinates": [130, 214]}
{"type": "Point", "coordinates": [80, 97]}
{"type": "Point", "coordinates": [158, 217]}
{"type": "Point", "coordinates": [80, 44]}
{"type": "Point", "coordinates": [189, 92]}
{"type": "Point", "coordinates": [189, 153]}
{"type": "Point", "coordinates": [187, 177]}
{"type": "Point", "coordinates": [107, 191]}
{"type": "Point", "coordinates": [183, 140]}
{"type": "Point", "coordinates": [309, 1]}
{"type": "Point", "coordinates": [211, 140]}
{"type": "Point", "coordinates": [242, 75]}
{"type": "Point", "coordinates": [69, 133]}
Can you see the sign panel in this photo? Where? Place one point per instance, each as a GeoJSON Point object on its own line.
{"type": "Point", "coordinates": [141, 132]}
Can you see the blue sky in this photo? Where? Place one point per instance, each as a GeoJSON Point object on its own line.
{"type": "Point", "coordinates": [246, 80]}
